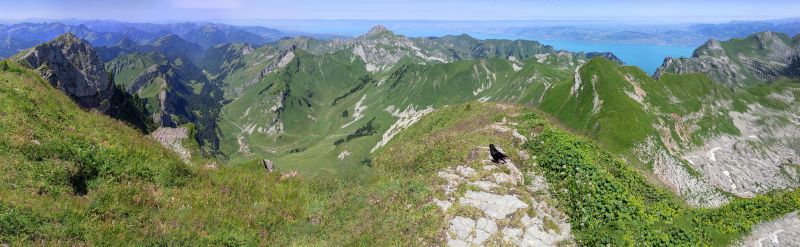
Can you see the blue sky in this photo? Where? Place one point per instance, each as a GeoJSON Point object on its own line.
{"type": "Point", "coordinates": [233, 10]}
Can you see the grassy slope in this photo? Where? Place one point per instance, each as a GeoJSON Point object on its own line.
{"type": "Point", "coordinates": [140, 194]}
{"type": "Point", "coordinates": [333, 83]}
{"type": "Point", "coordinates": [50, 149]}
{"type": "Point", "coordinates": [622, 122]}
{"type": "Point", "coordinates": [137, 193]}
{"type": "Point", "coordinates": [610, 203]}
{"type": "Point", "coordinates": [127, 68]}
{"type": "Point", "coordinates": [143, 195]}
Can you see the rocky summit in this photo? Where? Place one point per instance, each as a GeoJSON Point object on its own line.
{"type": "Point", "coordinates": [71, 65]}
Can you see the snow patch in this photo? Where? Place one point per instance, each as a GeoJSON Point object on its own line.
{"type": "Point", "coordinates": [540, 58]}
{"type": "Point", "coordinates": [516, 67]}
{"type": "Point", "coordinates": [638, 93]}
{"type": "Point", "coordinates": [418, 52]}
{"type": "Point", "coordinates": [406, 118]}
{"type": "Point", "coordinates": [484, 86]}
{"type": "Point", "coordinates": [358, 113]}
{"type": "Point", "coordinates": [343, 155]}
{"type": "Point", "coordinates": [711, 154]}
{"type": "Point", "coordinates": [596, 102]}
{"type": "Point", "coordinates": [575, 87]}
{"type": "Point", "coordinates": [249, 128]}
{"type": "Point", "coordinates": [246, 112]}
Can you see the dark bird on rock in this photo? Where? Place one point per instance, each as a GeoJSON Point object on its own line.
{"type": "Point", "coordinates": [497, 156]}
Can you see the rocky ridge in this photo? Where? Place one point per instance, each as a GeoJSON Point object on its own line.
{"type": "Point", "coordinates": [490, 203]}
{"type": "Point", "coordinates": [72, 65]}
{"type": "Point", "coordinates": [765, 57]}
{"type": "Point", "coordinates": [381, 49]}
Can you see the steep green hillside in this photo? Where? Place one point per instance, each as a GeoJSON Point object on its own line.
{"type": "Point", "coordinates": [79, 178]}
{"type": "Point", "coordinates": [621, 105]}
{"type": "Point", "coordinates": [174, 89]}
{"type": "Point", "coordinates": [316, 107]}
{"type": "Point", "coordinates": [687, 129]}
{"type": "Point", "coordinates": [610, 203]}
{"type": "Point", "coordinates": [127, 68]}
{"type": "Point", "coordinates": [595, 101]}
{"type": "Point", "coordinates": [64, 170]}
{"type": "Point", "coordinates": [223, 59]}
{"type": "Point", "coordinates": [74, 177]}
{"type": "Point", "coordinates": [323, 106]}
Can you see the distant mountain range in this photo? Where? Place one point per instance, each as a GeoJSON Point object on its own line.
{"type": "Point", "coordinates": [602, 32]}
{"type": "Point", "coordinates": [16, 37]}
{"type": "Point", "coordinates": [663, 34]}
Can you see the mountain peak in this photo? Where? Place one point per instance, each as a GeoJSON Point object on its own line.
{"type": "Point", "coordinates": [379, 29]}
{"type": "Point", "coordinates": [766, 34]}
{"type": "Point", "coordinates": [71, 65]}
{"type": "Point", "coordinates": [126, 43]}
{"type": "Point", "coordinates": [169, 37]}
{"type": "Point", "coordinates": [712, 47]}
{"type": "Point", "coordinates": [68, 37]}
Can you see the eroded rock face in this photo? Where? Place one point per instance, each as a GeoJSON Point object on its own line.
{"type": "Point", "coordinates": [769, 56]}
{"type": "Point", "coordinates": [763, 158]}
{"type": "Point", "coordinates": [172, 138]}
{"type": "Point", "coordinates": [784, 231]}
{"type": "Point", "coordinates": [72, 65]}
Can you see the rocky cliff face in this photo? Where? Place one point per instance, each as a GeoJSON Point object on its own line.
{"type": "Point", "coordinates": [71, 65]}
{"type": "Point", "coordinates": [761, 57]}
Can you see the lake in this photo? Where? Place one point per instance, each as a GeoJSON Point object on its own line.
{"type": "Point", "coordinates": [647, 57]}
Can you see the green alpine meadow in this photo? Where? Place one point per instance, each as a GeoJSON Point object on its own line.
{"type": "Point", "coordinates": [389, 123]}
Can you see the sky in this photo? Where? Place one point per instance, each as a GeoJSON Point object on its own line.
{"type": "Point", "coordinates": [679, 11]}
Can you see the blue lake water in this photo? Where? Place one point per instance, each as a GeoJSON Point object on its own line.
{"type": "Point", "coordinates": [647, 57]}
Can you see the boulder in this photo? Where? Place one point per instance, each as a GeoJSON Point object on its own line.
{"type": "Point", "coordinates": [288, 175]}
{"type": "Point", "coordinates": [268, 165]}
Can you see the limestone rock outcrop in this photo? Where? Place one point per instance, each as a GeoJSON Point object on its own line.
{"type": "Point", "coordinates": [72, 65]}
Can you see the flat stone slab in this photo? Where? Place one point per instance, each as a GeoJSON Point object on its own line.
{"type": "Point", "coordinates": [492, 205]}
{"type": "Point", "coordinates": [502, 178]}
{"type": "Point", "coordinates": [484, 185]}
{"type": "Point", "coordinates": [462, 228]}
{"type": "Point", "coordinates": [484, 229]}
{"type": "Point", "coordinates": [444, 205]}
{"type": "Point", "coordinates": [469, 232]}
{"type": "Point", "coordinates": [466, 172]}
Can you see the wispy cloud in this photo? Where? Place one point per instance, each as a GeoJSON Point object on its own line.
{"type": "Point", "coordinates": [206, 4]}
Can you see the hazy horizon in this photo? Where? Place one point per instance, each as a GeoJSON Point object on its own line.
{"type": "Point", "coordinates": [682, 11]}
